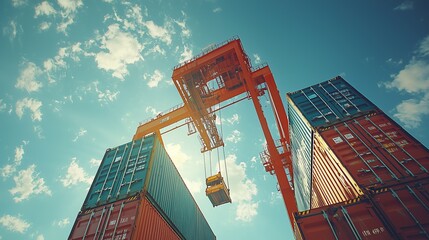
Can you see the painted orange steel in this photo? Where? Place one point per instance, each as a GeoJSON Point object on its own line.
{"type": "Point", "coordinates": [215, 76]}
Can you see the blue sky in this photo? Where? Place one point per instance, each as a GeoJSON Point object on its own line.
{"type": "Point", "coordinates": [78, 76]}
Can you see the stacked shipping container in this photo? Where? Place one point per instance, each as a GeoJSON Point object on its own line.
{"type": "Point", "coordinates": [345, 148]}
{"type": "Point", "coordinates": [138, 193]}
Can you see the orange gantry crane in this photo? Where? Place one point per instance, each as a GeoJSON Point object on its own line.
{"type": "Point", "coordinates": [222, 73]}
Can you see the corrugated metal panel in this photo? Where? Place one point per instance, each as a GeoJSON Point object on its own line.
{"type": "Point", "coordinates": [141, 167]}
{"type": "Point", "coordinates": [395, 144]}
{"type": "Point", "coordinates": [126, 219]}
{"type": "Point", "coordinates": [329, 102]}
{"type": "Point", "coordinates": [376, 151]}
{"type": "Point", "coordinates": [121, 174]}
{"type": "Point", "coordinates": [301, 145]}
{"type": "Point", "coordinates": [357, 220]}
{"type": "Point", "coordinates": [151, 225]}
{"type": "Point", "coordinates": [406, 208]}
{"type": "Point", "coordinates": [168, 191]}
{"type": "Point", "coordinates": [331, 182]}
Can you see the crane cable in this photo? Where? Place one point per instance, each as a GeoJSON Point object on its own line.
{"type": "Point", "coordinates": [205, 169]}
{"type": "Point", "coordinates": [223, 148]}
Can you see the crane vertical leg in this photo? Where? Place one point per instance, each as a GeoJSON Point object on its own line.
{"type": "Point", "coordinates": [286, 190]}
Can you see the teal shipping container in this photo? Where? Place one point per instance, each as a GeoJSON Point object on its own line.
{"type": "Point", "coordinates": [330, 102]}
{"type": "Point", "coordinates": [144, 167]}
{"type": "Point", "coordinates": [301, 146]}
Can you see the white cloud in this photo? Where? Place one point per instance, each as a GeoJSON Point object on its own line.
{"type": "Point", "coordinates": [27, 78]}
{"type": "Point", "coordinates": [19, 154]}
{"type": "Point", "coordinates": [186, 32]}
{"type": "Point", "coordinates": [407, 5]}
{"type": "Point", "coordinates": [413, 78]}
{"type": "Point", "coordinates": [27, 183]}
{"type": "Point", "coordinates": [38, 130]}
{"type": "Point", "coordinates": [32, 104]}
{"type": "Point", "coordinates": [62, 223]}
{"type": "Point", "coordinates": [154, 79]}
{"type": "Point", "coordinates": [186, 54]}
{"type": "Point", "coordinates": [81, 133]}
{"type": "Point", "coordinates": [158, 32]}
{"type": "Point", "coordinates": [152, 110]}
{"type": "Point", "coordinates": [10, 169]}
{"type": "Point", "coordinates": [14, 224]}
{"type": "Point", "coordinates": [257, 58]}
{"type": "Point", "coordinates": [234, 137]}
{"type": "Point", "coordinates": [424, 46]}
{"type": "Point", "coordinates": [7, 170]}
{"type": "Point", "coordinates": [11, 30]}
{"type": "Point", "coordinates": [246, 211]}
{"type": "Point", "coordinates": [122, 49]}
{"type": "Point", "coordinates": [44, 26]}
{"type": "Point", "coordinates": [194, 186]}
{"type": "Point", "coordinates": [44, 8]}
{"type": "Point", "coordinates": [393, 62]}
{"type": "Point", "coordinates": [70, 5]}
{"type": "Point", "coordinates": [243, 189]}
{"type": "Point", "coordinates": [217, 10]}
{"type": "Point", "coordinates": [68, 12]}
{"type": "Point", "coordinates": [106, 96]}
{"type": "Point", "coordinates": [75, 174]}
{"type": "Point", "coordinates": [95, 162]}
{"type": "Point", "coordinates": [134, 19]}
{"type": "Point", "coordinates": [411, 111]}
{"type": "Point", "coordinates": [18, 3]}
{"type": "Point", "coordinates": [178, 156]}
{"type": "Point", "coordinates": [40, 237]}
{"type": "Point", "coordinates": [234, 119]}
{"type": "Point", "coordinates": [156, 49]}
{"type": "Point", "coordinates": [2, 105]}
{"type": "Point", "coordinates": [58, 62]}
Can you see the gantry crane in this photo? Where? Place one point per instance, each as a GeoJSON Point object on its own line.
{"type": "Point", "coordinates": [222, 73]}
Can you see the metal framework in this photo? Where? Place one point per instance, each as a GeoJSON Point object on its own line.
{"type": "Point", "coordinates": [216, 75]}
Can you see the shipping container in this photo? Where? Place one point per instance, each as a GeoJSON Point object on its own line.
{"type": "Point", "coordinates": [122, 173]}
{"type": "Point", "coordinates": [143, 167]}
{"type": "Point", "coordinates": [376, 151]}
{"type": "Point", "coordinates": [355, 219]}
{"type": "Point", "coordinates": [133, 218]}
{"type": "Point", "coordinates": [406, 208]}
{"type": "Point", "coordinates": [329, 102]}
{"type": "Point", "coordinates": [169, 193]}
{"type": "Point", "coordinates": [301, 137]}
{"type": "Point", "coordinates": [331, 181]}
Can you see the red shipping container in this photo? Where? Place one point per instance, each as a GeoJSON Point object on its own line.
{"type": "Point", "coordinates": [406, 208]}
{"type": "Point", "coordinates": [127, 219]}
{"type": "Point", "coordinates": [331, 182]}
{"type": "Point", "coordinates": [376, 151]}
{"type": "Point", "coordinates": [356, 219]}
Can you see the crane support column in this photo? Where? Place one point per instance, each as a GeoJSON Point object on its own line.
{"type": "Point", "coordinates": [285, 189]}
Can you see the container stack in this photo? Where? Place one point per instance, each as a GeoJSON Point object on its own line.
{"type": "Point", "coordinates": [357, 173]}
{"type": "Point", "coordinates": [138, 193]}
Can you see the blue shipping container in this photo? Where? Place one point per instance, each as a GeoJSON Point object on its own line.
{"type": "Point", "coordinates": [301, 146]}
{"type": "Point", "coordinates": [144, 167]}
{"type": "Point", "coordinates": [168, 191]}
{"type": "Point", "coordinates": [330, 102]}
{"type": "Point", "coordinates": [122, 173]}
